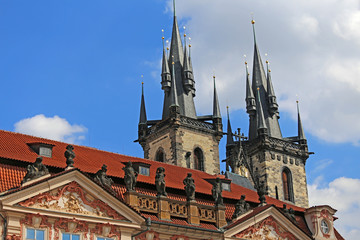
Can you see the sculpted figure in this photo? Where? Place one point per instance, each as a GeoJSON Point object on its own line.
{"type": "Point", "coordinates": [189, 187]}
{"type": "Point", "coordinates": [102, 179]}
{"type": "Point", "coordinates": [217, 192]}
{"type": "Point", "coordinates": [241, 207]}
{"type": "Point", "coordinates": [70, 155]}
{"type": "Point", "coordinates": [35, 170]}
{"type": "Point", "coordinates": [160, 182]}
{"type": "Point", "coordinates": [261, 191]}
{"type": "Point", "coordinates": [130, 177]}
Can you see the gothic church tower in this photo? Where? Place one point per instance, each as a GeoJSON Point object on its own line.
{"type": "Point", "coordinates": [268, 157]}
{"type": "Point", "coordinates": [181, 137]}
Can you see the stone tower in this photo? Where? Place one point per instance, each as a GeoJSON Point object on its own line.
{"type": "Point", "coordinates": [265, 155]}
{"type": "Point", "coordinates": [181, 137]}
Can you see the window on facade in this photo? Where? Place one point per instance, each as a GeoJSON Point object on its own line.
{"type": "Point", "coordinates": [101, 238]}
{"type": "Point", "coordinates": [226, 187]}
{"type": "Point", "coordinates": [69, 236]}
{"type": "Point", "coordinates": [35, 234]}
{"type": "Point", "coordinates": [198, 159]}
{"type": "Point", "coordinates": [287, 185]}
{"type": "Point", "coordinates": [160, 156]}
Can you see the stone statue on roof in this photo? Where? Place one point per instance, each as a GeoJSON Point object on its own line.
{"type": "Point", "coordinates": [217, 193]}
{"type": "Point", "coordinates": [69, 155]}
{"type": "Point", "coordinates": [35, 170]}
{"type": "Point", "coordinates": [189, 187]}
{"type": "Point", "coordinates": [130, 177]}
{"type": "Point", "coordinates": [160, 182]}
{"type": "Point", "coordinates": [241, 207]}
{"type": "Point", "coordinates": [261, 191]}
{"type": "Point", "coordinates": [289, 213]}
{"type": "Point", "coordinates": [102, 179]}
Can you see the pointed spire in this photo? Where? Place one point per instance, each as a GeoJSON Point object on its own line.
{"type": "Point", "coordinates": [176, 48]}
{"type": "Point", "coordinates": [259, 79]}
{"type": "Point", "coordinates": [173, 93]}
{"type": "Point", "coordinates": [143, 118]}
{"type": "Point", "coordinates": [273, 106]}
{"type": "Point", "coordinates": [250, 99]}
{"type": "Point", "coordinates": [301, 134]}
{"type": "Point", "coordinates": [165, 72]}
{"type": "Point", "coordinates": [216, 107]}
{"type": "Point", "coordinates": [229, 139]}
{"type": "Point", "coordinates": [261, 126]}
{"type": "Point", "coordinates": [188, 74]}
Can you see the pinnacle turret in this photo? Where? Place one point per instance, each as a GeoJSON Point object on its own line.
{"type": "Point", "coordinates": [250, 99]}
{"type": "Point", "coordinates": [216, 107]}
{"type": "Point", "coordinates": [188, 73]}
{"type": "Point", "coordinates": [301, 134]}
{"type": "Point", "coordinates": [229, 138]}
{"type": "Point", "coordinates": [273, 106]}
{"type": "Point", "coordinates": [165, 72]}
{"type": "Point", "coordinates": [143, 118]}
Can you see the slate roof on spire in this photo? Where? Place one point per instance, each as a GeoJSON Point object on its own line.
{"type": "Point", "coordinates": [143, 118]}
{"type": "Point", "coordinates": [260, 115]}
{"type": "Point", "coordinates": [216, 107]}
{"type": "Point", "coordinates": [271, 92]}
{"type": "Point", "coordinates": [249, 91]}
{"type": "Point", "coordinates": [173, 93]}
{"type": "Point", "coordinates": [165, 65]}
{"type": "Point", "coordinates": [229, 138]}
{"type": "Point", "coordinates": [301, 133]}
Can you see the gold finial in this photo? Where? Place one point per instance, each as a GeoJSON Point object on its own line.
{"type": "Point", "coordinates": [297, 101]}
{"type": "Point", "coordinates": [245, 59]}
{"type": "Point", "coordinates": [173, 60]}
{"type": "Point", "coordinates": [167, 45]}
{"type": "Point", "coordinates": [252, 18]}
{"type": "Point", "coordinates": [162, 30]}
{"type": "Point", "coordinates": [269, 70]}
{"type": "Point", "coordinates": [189, 41]}
{"type": "Point", "coordinates": [258, 88]}
{"type": "Point", "coordinates": [142, 81]}
{"type": "Point", "coordinates": [184, 31]}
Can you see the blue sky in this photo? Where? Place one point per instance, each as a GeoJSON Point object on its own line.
{"type": "Point", "coordinates": [82, 60]}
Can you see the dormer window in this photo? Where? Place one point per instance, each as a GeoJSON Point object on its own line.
{"type": "Point", "coordinates": [42, 149]}
{"type": "Point", "coordinates": [141, 168]}
{"type": "Point", "coordinates": [144, 170]}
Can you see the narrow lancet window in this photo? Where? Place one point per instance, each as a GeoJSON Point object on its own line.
{"type": "Point", "coordinates": [198, 159]}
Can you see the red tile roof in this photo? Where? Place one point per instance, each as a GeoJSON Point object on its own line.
{"type": "Point", "coordinates": [14, 146]}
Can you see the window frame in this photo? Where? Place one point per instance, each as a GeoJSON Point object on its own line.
{"type": "Point", "coordinates": [36, 229]}
{"type": "Point", "coordinates": [78, 234]}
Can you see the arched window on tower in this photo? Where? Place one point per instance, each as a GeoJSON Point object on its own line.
{"type": "Point", "coordinates": [160, 155]}
{"type": "Point", "coordinates": [198, 159]}
{"type": "Point", "coordinates": [287, 185]}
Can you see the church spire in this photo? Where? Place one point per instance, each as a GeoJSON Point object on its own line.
{"type": "Point", "coordinates": [184, 80]}
{"type": "Point", "coordinates": [229, 138]}
{"type": "Point", "coordinates": [301, 134]}
{"type": "Point", "coordinates": [216, 107]}
{"type": "Point", "coordinates": [259, 85]}
{"type": "Point", "coordinates": [273, 106]}
{"type": "Point", "coordinates": [143, 118]}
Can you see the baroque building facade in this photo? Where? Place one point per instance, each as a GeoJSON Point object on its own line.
{"type": "Point", "coordinates": [53, 190]}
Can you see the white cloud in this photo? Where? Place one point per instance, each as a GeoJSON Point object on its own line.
{"type": "Point", "coordinates": [55, 128]}
{"type": "Point", "coordinates": [342, 194]}
{"type": "Point", "coordinates": [314, 53]}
